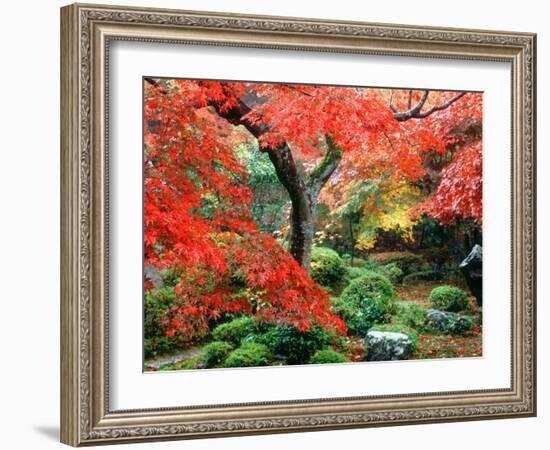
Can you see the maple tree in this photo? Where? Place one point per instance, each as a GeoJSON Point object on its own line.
{"type": "Point", "coordinates": [319, 139]}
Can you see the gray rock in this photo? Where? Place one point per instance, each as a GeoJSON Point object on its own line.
{"type": "Point", "coordinates": [387, 346]}
{"type": "Point", "coordinates": [472, 268]}
{"type": "Point", "coordinates": [449, 322]}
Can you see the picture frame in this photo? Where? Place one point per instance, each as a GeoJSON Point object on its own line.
{"type": "Point", "coordinates": [87, 32]}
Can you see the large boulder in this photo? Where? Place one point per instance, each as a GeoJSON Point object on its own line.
{"type": "Point", "coordinates": [388, 346]}
{"type": "Point", "coordinates": [472, 268]}
{"type": "Point", "coordinates": [449, 322]}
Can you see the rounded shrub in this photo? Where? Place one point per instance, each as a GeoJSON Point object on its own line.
{"type": "Point", "coordinates": [158, 345]}
{"type": "Point", "coordinates": [236, 330]}
{"type": "Point", "coordinates": [412, 315]}
{"type": "Point", "coordinates": [327, 357]}
{"type": "Point", "coordinates": [355, 272]}
{"type": "Point", "coordinates": [215, 353]}
{"type": "Point", "coordinates": [367, 300]}
{"type": "Point", "coordinates": [449, 298]}
{"type": "Point", "coordinates": [327, 268]}
{"type": "Point", "coordinates": [392, 272]}
{"type": "Point", "coordinates": [250, 354]}
{"type": "Point", "coordinates": [295, 345]}
{"type": "Point", "coordinates": [156, 303]}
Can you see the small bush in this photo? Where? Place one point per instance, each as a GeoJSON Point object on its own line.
{"type": "Point", "coordinates": [215, 353]}
{"type": "Point", "coordinates": [297, 346]}
{"type": "Point", "coordinates": [156, 303]}
{"type": "Point", "coordinates": [236, 330]}
{"type": "Point", "coordinates": [425, 275]}
{"type": "Point", "coordinates": [460, 324]}
{"type": "Point", "coordinates": [158, 345]}
{"type": "Point", "coordinates": [250, 354]}
{"type": "Point", "coordinates": [406, 261]}
{"type": "Point", "coordinates": [449, 298]}
{"type": "Point", "coordinates": [327, 268]}
{"type": "Point", "coordinates": [392, 272]}
{"type": "Point", "coordinates": [367, 300]}
{"type": "Point", "coordinates": [360, 262]}
{"type": "Point", "coordinates": [355, 272]}
{"type": "Point", "coordinates": [412, 315]}
{"type": "Point", "coordinates": [399, 328]}
{"type": "Point", "coordinates": [327, 357]}
{"type": "Point", "coordinates": [370, 265]}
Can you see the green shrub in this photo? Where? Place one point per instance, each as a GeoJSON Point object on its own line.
{"type": "Point", "coordinates": [399, 328]}
{"type": "Point", "coordinates": [392, 272]}
{"type": "Point", "coordinates": [327, 357]}
{"type": "Point", "coordinates": [370, 265]}
{"type": "Point", "coordinates": [156, 303]}
{"type": "Point", "coordinates": [215, 353]}
{"type": "Point", "coordinates": [327, 268]}
{"type": "Point", "coordinates": [425, 275]}
{"type": "Point", "coordinates": [250, 354]}
{"type": "Point", "coordinates": [236, 330]}
{"type": "Point", "coordinates": [367, 300]}
{"type": "Point", "coordinates": [297, 346]}
{"type": "Point", "coordinates": [158, 345]}
{"type": "Point", "coordinates": [406, 261]}
{"type": "Point", "coordinates": [356, 272]}
{"type": "Point", "coordinates": [412, 315]}
{"type": "Point", "coordinates": [460, 324]}
{"type": "Point", "coordinates": [449, 298]}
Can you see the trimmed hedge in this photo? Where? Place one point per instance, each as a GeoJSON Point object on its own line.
{"type": "Point", "coordinates": [392, 272]}
{"type": "Point", "coordinates": [236, 330]}
{"type": "Point", "coordinates": [215, 353]}
{"type": "Point", "coordinates": [449, 298]}
{"type": "Point", "coordinates": [327, 268]}
{"type": "Point", "coordinates": [412, 315]}
{"type": "Point", "coordinates": [355, 272]}
{"type": "Point", "coordinates": [327, 357]}
{"type": "Point", "coordinates": [367, 300]}
{"type": "Point", "coordinates": [250, 354]}
{"type": "Point", "coordinates": [295, 345]}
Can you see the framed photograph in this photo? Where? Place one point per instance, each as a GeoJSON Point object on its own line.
{"type": "Point", "coordinates": [277, 224]}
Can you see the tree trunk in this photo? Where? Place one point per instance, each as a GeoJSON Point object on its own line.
{"type": "Point", "coordinates": [302, 229]}
{"type": "Point", "coordinates": [304, 194]}
{"type": "Point", "coordinates": [303, 190]}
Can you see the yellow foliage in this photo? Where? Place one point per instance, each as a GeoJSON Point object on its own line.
{"type": "Point", "coordinates": [389, 211]}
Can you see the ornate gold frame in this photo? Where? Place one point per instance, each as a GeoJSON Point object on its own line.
{"type": "Point", "coordinates": [86, 31]}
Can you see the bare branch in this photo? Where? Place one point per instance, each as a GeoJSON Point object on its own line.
{"type": "Point", "coordinates": [442, 106]}
{"type": "Point", "coordinates": [416, 111]}
{"type": "Point", "coordinates": [393, 108]}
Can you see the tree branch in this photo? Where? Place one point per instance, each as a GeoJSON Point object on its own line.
{"type": "Point", "coordinates": [417, 113]}
{"type": "Point", "coordinates": [326, 167]}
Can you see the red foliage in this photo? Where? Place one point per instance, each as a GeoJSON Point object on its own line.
{"type": "Point", "coordinates": [197, 220]}
{"type": "Point", "coordinates": [460, 193]}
